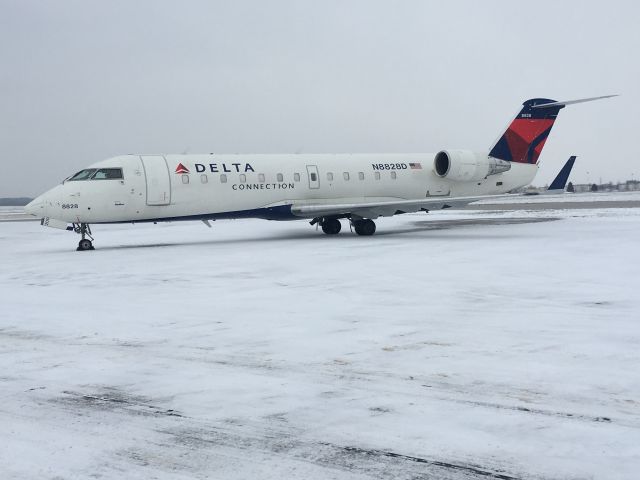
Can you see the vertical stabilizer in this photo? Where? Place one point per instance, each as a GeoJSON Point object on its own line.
{"type": "Point", "coordinates": [523, 140]}
{"type": "Point", "coordinates": [560, 182]}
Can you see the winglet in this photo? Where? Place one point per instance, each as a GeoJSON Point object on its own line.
{"type": "Point", "coordinates": [571, 102]}
{"type": "Point", "coordinates": [560, 182]}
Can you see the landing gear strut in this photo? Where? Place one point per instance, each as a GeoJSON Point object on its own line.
{"type": "Point", "coordinates": [364, 227]}
{"type": "Point", "coordinates": [85, 231]}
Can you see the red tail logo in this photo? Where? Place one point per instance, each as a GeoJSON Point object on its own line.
{"type": "Point", "coordinates": [181, 169]}
{"type": "Point", "coordinates": [525, 137]}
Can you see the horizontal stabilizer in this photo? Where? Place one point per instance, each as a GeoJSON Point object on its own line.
{"type": "Point", "coordinates": [526, 135]}
{"type": "Point", "coordinates": [571, 102]}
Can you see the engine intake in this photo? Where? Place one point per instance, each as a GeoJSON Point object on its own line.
{"type": "Point", "coordinates": [467, 166]}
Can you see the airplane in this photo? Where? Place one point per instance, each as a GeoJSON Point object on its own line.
{"type": "Point", "coordinates": [323, 188]}
{"type": "Point", "coordinates": [560, 182]}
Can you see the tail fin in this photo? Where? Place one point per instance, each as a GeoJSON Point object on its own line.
{"type": "Point", "coordinates": [525, 137]}
{"type": "Point", "coordinates": [523, 140]}
{"type": "Point", "coordinates": [560, 182]}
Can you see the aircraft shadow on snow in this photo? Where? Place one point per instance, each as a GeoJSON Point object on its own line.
{"type": "Point", "coordinates": [418, 227]}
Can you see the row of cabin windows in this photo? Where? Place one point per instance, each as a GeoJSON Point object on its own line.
{"type": "Point", "coordinates": [243, 178]}
{"type": "Point", "coordinates": [346, 176]}
{"type": "Point", "coordinates": [280, 177]}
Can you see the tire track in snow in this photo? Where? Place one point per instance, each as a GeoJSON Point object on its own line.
{"type": "Point", "coordinates": [190, 442]}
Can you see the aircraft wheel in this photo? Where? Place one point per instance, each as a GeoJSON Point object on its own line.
{"type": "Point", "coordinates": [331, 226]}
{"type": "Point", "coordinates": [365, 227]}
{"type": "Point", "coordinates": [85, 244]}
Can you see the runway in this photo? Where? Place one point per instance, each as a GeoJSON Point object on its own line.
{"type": "Point", "coordinates": [455, 345]}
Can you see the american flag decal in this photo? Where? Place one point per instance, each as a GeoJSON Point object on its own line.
{"type": "Point", "coordinates": [415, 166]}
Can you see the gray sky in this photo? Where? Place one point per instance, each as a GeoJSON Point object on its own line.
{"type": "Point", "coordinates": [84, 80]}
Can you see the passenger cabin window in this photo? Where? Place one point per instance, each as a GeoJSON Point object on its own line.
{"type": "Point", "coordinates": [360, 175]}
{"type": "Point", "coordinates": [330, 176]}
{"type": "Point", "coordinates": [185, 179]}
{"type": "Point", "coordinates": [345, 175]}
{"type": "Point", "coordinates": [393, 175]}
{"type": "Point", "coordinates": [223, 178]}
{"type": "Point", "coordinates": [280, 177]}
{"type": "Point", "coordinates": [243, 178]}
{"type": "Point", "coordinates": [314, 177]}
{"type": "Point", "coordinates": [296, 177]}
{"type": "Point", "coordinates": [376, 175]}
{"type": "Point", "coordinates": [203, 178]}
{"type": "Point", "coordinates": [261, 177]}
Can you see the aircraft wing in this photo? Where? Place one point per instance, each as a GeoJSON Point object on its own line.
{"type": "Point", "coordinates": [387, 208]}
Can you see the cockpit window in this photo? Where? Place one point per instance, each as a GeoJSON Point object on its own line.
{"type": "Point", "coordinates": [83, 174]}
{"type": "Point", "coordinates": [108, 174]}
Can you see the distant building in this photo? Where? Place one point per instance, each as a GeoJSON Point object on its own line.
{"type": "Point", "coordinates": [626, 186]}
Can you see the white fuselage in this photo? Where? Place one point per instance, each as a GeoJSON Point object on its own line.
{"type": "Point", "coordinates": [154, 187]}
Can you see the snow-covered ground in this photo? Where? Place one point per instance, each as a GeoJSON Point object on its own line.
{"type": "Point", "coordinates": [14, 214]}
{"type": "Point", "coordinates": [450, 345]}
{"type": "Point", "coordinates": [567, 198]}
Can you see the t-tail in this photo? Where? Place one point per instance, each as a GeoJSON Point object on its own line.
{"type": "Point", "coordinates": [525, 137]}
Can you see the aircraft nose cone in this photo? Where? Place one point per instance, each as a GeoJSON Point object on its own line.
{"type": "Point", "coordinates": [35, 207]}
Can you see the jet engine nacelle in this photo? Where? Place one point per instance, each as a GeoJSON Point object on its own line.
{"type": "Point", "coordinates": [467, 166]}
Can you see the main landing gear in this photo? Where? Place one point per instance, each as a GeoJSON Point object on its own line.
{"type": "Point", "coordinates": [85, 231]}
{"type": "Point", "coordinates": [332, 226]}
{"type": "Point", "coordinates": [364, 227]}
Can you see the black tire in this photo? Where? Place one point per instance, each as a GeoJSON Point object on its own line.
{"type": "Point", "coordinates": [84, 244]}
{"type": "Point", "coordinates": [331, 226]}
{"type": "Point", "coordinates": [365, 227]}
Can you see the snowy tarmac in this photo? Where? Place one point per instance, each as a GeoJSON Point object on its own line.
{"type": "Point", "coordinates": [454, 345]}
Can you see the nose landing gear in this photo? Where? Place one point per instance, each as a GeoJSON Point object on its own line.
{"type": "Point", "coordinates": [85, 231]}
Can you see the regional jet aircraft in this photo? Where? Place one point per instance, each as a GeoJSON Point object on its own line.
{"type": "Point", "coordinates": [321, 188]}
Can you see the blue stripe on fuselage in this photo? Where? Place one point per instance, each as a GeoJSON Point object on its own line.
{"type": "Point", "coordinates": [281, 212]}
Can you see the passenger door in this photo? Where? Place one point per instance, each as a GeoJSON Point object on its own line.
{"type": "Point", "coordinates": [158, 180]}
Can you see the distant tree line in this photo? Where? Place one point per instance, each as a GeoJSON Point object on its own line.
{"type": "Point", "coordinates": [14, 202]}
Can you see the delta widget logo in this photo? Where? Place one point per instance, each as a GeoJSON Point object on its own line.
{"type": "Point", "coordinates": [181, 169]}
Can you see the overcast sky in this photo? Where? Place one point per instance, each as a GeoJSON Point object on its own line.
{"type": "Point", "coordinates": [83, 80]}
